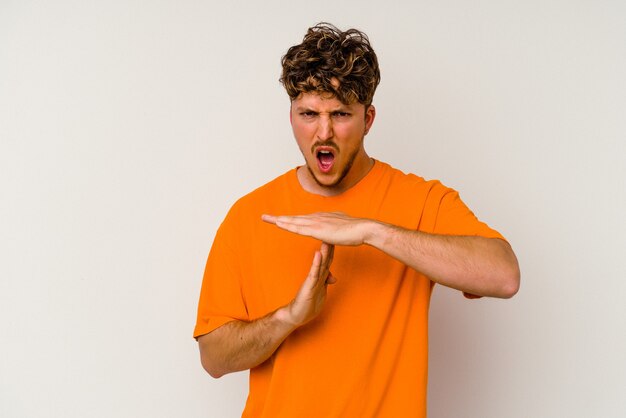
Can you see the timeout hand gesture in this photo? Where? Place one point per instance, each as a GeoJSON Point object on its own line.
{"type": "Point", "coordinates": [337, 228]}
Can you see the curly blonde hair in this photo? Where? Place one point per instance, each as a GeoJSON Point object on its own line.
{"type": "Point", "coordinates": [329, 61]}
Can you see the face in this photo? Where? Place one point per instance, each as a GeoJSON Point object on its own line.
{"type": "Point", "coordinates": [330, 136]}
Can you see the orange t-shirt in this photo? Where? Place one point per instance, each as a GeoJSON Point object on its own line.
{"type": "Point", "coordinates": [365, 355]}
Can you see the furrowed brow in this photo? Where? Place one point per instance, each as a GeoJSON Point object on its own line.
{"type": "Point", "coordinates": [301, 109]}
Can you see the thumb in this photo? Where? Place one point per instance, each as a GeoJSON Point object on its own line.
{"type": "Point", "coordinates": [330, 279]}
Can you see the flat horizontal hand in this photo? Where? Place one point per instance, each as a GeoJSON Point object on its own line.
{"type": "Point", "coordinates": [330, 227]}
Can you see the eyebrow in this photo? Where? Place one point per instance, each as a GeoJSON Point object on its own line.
{"type": "Point", "coordinates": [341, 109]}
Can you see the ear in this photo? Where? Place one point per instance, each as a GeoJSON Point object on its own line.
{"type": "Point", "coordinates": [290, 114]}
{"type": "Point", "coordinates": [370, 115]}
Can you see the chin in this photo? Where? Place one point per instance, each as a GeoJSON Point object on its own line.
{"type": "Point", "coordinates": [323, 179]}
{"type": "Point", "coordinates": [329, 180]}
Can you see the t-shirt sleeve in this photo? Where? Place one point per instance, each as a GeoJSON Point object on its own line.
{"type": "Point", "coordinates": [221, 298]}
{"type": "Point", "coordinates": [455, 218]}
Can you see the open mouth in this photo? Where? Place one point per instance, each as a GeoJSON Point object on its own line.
{"type": "Point", "coordinates": [325, 159]}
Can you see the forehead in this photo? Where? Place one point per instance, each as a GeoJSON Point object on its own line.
{"type": "Point", "coordinates": [322, 102]}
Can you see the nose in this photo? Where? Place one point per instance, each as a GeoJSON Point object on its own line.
{"type": "Point", "coordinates": [325, 128]}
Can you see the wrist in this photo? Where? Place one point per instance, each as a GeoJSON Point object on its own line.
{"type": "Point", "coordinates": [283, 318]}
{"type": "Point", "coordinates": [375, 233]}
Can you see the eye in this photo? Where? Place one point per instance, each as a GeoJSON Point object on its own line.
{"type": "Point", "coordinates": [308, 114]}
{"type": "Point", "coordinates": [341, 115]}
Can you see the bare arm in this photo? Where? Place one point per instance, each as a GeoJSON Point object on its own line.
{"type": "Point", "coordinates": [475, 265]}
{"type": "Point", "coordinates": [239, 345]}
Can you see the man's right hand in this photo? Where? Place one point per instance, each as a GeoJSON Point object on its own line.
{"type": "Point", "coordinates": [241, 345]}
{"type": "Point", "coordinates": [310, 299]}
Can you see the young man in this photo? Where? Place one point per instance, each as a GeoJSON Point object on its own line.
{"type": "Point", "coordinates": [380, 237]}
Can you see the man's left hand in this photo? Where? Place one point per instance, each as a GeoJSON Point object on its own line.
{"type": "Point", "coordinates": [330, 227]}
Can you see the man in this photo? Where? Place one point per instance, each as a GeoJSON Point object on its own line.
{"type": "Point", "coordinates": [381, 238]}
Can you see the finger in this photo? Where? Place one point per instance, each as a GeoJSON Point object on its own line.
{"type": "Point", "coordinates": [295, 220]}
{"type": "Point", "coordinates": [300, 219]}
{"type": "Point", "coordinates": [270, 219]}
{"type": "Point", "coordinates": [331, 253]}
{"type": "Point", "coordinates": [293, 224]}
{"type": "Point", "coordinates": [273, 219]}
{"type": "Point", "coordinates": [328, 251]}
{"type": "Point", "coordinates": [327, 262]}
{"type": "Point", "coordinates": [325, 250]}
{"type": "Point", "coordinates": [316, 265]}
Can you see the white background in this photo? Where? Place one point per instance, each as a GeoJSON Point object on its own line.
{"type": "Point", "coordinates": [128, 128]}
